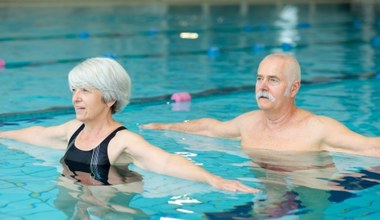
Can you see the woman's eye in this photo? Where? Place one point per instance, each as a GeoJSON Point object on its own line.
{"type": "Point", "coordinates": [86, 90]}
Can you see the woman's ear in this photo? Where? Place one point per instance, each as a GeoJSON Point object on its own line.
{"type": "Point", "coordinates": [111, 103]}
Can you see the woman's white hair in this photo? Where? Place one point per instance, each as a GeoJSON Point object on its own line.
{"type": "Point", "coordinates": [105, 75]}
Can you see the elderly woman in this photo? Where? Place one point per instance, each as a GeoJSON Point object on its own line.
{"type": "Point", "coordinates": [95, 142]}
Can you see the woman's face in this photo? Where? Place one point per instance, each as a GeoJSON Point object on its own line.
{"type": "Point", "coordinates": [89, 104]}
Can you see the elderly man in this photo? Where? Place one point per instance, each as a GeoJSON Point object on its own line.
{"type": "Point", "coordinates": [279, 124]}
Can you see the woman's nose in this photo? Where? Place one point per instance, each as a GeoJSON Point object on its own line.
{"type": "Point", "coordinates": [76, 96]}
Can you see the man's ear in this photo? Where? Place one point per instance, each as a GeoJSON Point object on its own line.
{"type": "Point", "coordinates": [295, 88]}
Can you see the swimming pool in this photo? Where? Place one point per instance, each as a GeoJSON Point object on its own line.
{"type": "Point", "coordinates": [337, 47]}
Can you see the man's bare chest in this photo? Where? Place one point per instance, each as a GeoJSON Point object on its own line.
{"type": "Point", "coordinates": [294, 139]}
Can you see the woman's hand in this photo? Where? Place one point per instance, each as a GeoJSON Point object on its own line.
{"type": "Point", "coordinates": [231, 185]}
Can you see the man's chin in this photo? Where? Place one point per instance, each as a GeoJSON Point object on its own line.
{"type": "Point", "coordinates": [263, 101]}
{"type": "Point", "coordinates": [265, 106]}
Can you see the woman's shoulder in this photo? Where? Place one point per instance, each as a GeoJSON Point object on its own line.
{"type": "Point", "coordinates": [127, 136]}
{"type": "Point", "coordinates": [73, 124]}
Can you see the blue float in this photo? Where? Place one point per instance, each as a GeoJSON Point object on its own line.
{"type": "Point", "coordinates": [262, 27]}
{"type": "Point", "coordinates": [375, 41]}
{"type": "Point", "coordinates": [213, 51]}
{"type": "Point", "coordinates": [287, 46]}
{"type": "Point", "coordinates": [258, 47]}
{"type": "Point", "coordinates": [152, 32]}
{"type": "Point", "coordinates": [357, 24]}
{"type": "Point", "coordinates": [304, 25]}
{"type": "Point", "coordinates": [110, 55]}
{"type": "Point", "coordinates": [378, 75]}
{"type": "Point", "coordinates": [84, 35]}
{"type": "Point", "coordinates": [248, 28]}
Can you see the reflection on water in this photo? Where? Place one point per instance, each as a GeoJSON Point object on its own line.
{"type": "Point", "coordinates": [331, 43]}
{"type": "Point", "coordinates": [103, 191]}
{"type": "Point", "coordinates": [80, 201]}
{"type": "Point", "coordinates": [90, 174]}
{"type": "Point", "coordinates": [304, 184]}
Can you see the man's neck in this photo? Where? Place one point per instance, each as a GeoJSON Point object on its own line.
{"type": "Point", "coordinates": [278, 119]}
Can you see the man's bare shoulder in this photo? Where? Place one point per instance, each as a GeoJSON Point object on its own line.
{"type": "Point", "coordinates": [251, 114]}
{"type": "Point", "coordinates": [327, 123]}
{"type": "Point", "coordinates": [250, 117]}
{"type": "Point", "coordinates": [314, 117]}
{"type": "Point", "coordinates": [316, 122]}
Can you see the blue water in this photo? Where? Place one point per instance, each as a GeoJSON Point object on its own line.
{"type": "Point", "coordinates": [335, 44]}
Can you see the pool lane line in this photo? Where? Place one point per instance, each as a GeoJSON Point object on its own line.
{"type": "Point", "coordinates": [20, 64]}
{"type": "Point", "coordinates": [247, 28]}
{"type": "Point", "coordinates": [35, 115]}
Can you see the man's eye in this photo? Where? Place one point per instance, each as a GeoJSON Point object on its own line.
{"type": "Point", "coordinates": [274, 80]}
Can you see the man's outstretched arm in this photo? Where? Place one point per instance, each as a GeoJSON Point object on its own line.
{"type": "Point", "coordinates": [339, 138]}
{"type": "Point", "coordinates": [204, 126]}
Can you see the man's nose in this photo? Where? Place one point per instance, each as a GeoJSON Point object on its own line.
{"type": "Point", "coordinates": [263, 84]}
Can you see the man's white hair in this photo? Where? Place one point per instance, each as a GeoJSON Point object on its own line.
{"type": "Point", "coordinates": [292, 70]}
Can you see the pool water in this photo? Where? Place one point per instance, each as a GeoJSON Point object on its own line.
{"type": "Point", "coordinates": [335, 44]}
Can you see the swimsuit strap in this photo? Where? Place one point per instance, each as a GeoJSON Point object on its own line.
{"type": "Point", "coordinates": [101, 149]}
{"type": "Point", "coordinates": [110, 136]}
{"type": "Point", "coordinates": [74, 136]}
{"type": "Point", "coordinates": [71, 141]}
{"type": "Point", "coordinates": [97, 154]}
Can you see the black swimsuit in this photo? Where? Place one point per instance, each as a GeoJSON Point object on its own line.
{"type": "Point", "coordinates": [94, 162]}
{"type": "Point", "coordinates": [96, 156]}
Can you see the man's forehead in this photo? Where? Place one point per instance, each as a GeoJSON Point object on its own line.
{"type": "Point", "coordinates": [270, 74]}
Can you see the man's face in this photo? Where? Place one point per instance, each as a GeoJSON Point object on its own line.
{"type": "Point", "coordinates": [271, 84]}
